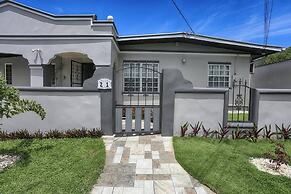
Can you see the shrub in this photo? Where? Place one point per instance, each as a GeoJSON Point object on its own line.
{"type": "Point", "coordinates": [268, 132]}
{"type": "Point", "coordinates": [207, 132]}
{"type": "Point", "coordinates": [238, 133]}
{"type": "Point", "coordinates": [74, 133]}
{"type": "Point", "coordinates": [38, 134]}
{"type": "Point", "coordinates": [95, 133]}
{"type": "Point", "coordinates": [222, 132]}
{"type": "Point", "coordinates": [184, 129]}
{"type": "Point", "coordinates": [11, 104]}
{"type": "Point", "coordinates": [254, 133]}
{"type": "Point", "coordinates": [195, 129]}
{"type": "Point", "coordinates": [285, 132]}
{"type": "Point", "coordinates": [279, 156]}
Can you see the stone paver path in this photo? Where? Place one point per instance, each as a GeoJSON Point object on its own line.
{"type": "Point", "coordinates": [144, 165]}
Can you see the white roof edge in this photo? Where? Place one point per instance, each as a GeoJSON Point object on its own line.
{"type": "Point", "coordinates": [197, 37]}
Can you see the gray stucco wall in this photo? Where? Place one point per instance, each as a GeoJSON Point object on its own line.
{"type": "Point", "coordinates": [273, 76]}
{"type": "Point", "coordinates": [66, 108]}
{"type": "Point", "coordinates": [274, 107]}
{"type": "Point", "coordinates": [12, 17]}
{"type": "Point", "coordinates": [196, 67]}
{"type": "Point", "coordinates": [20, 70]}
{"type": "Point", "coordinates": [206, 105]}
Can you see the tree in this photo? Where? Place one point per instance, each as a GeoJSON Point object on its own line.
{"type": "Point", "coordinates": [278, 57]}
{"type": "Point", "coordinates": [11, 104]}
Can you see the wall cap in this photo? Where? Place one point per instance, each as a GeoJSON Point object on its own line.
{"type": "Point", "coordinates": [56, 89]}
{"type": "Point", "coordinates": [203, 90]}
{"type": "Point", "coordinates": [274, 91]}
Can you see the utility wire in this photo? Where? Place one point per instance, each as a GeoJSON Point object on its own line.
{"type": "Point", "coordinates": [185, 19]}
{"type": "Point", "coordinates": [268, 8]}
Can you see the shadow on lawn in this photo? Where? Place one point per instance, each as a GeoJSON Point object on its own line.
{"type": "Point", "coordinates": [23, 149]}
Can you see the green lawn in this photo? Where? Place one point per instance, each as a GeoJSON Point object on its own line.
{"type": "Point", "coordinates": [224, 166]}
{"type": "Point", "coordinates": [235, 117]}
{"type": "Point", "coordinates": [53, 165]}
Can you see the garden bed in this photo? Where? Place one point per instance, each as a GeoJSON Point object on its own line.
{"type": "Point", "coordinates": [52, 165]}
{"type": "Point", "coordinates": [225, 166]}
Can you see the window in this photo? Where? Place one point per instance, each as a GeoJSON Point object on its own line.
{"type": "Point", "coordinates": [252, 68]}
{"type": "Point", "coordinates": [8, 73]}
{"type": "Point", "coordinates": [218, 75]}
{"type": "Point", "coordinates": [53, 74]}
{"type": "Point", "coordinates": [140, 77]}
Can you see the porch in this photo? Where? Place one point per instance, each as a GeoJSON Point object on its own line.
{"type": "Point", "coordinates": [69, 69]}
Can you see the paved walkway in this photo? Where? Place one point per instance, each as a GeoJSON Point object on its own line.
{"type": "Point", "coordinates": [144, 165]}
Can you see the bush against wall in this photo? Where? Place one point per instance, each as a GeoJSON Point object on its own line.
{"type": "Point", "coordinates": [52, 134]}
{"type": "Point", "coordinates": [253, 134]}
{"type": "Point", "coordinates": [11, 104]}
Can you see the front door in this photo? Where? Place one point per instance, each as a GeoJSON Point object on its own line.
{"type": "Point", "coordinates": [137, 108]}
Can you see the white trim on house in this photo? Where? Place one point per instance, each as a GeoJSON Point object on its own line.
{"type": "Point", "coordinates": [185, 53]}
{"type": "Point", "coordinates": [5, 72]}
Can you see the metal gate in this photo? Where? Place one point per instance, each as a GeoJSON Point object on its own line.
{"type": "Point", "coordinates": [240, 102]}
{"type": "Point", "coordinates": [137, 108]}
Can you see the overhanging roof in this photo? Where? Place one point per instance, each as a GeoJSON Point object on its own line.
{"type": "Point", "coordinates": [252, 48]}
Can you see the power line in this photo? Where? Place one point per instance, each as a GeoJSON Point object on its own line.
{"type": "Point", "coordinates": [268, 8]}
{"type": "Point", "coordinates": [185, 19]}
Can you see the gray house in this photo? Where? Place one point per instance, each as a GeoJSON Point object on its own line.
{"type": "Point", "coordinates": [136, 78]}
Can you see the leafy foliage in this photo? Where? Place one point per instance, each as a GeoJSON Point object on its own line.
{"type": "Point", "coordinates": [254, 133]}
{"type": "Point", "coordinates": [268, 132]}
{"type": "Point", "coordinates": [278, 57]}
{"type": "Point", "coordinates": [285, 132]}
{"type": "Point", "coordinates": [11, 104]}
{"type": "Point", "coordinates": [206, 132]}
{"type": "Point", "coordinates": [239, 133]}
{"type": "Point", "coordinates": [184, 129]}
{"type": "Point", "coordinates": [222, 132]}
{"type": "Point", "coordinates": [279, 156]}
{"type": "Point", "coordinates": [52, 134]}
{"type": "Point", "coordinates": [196, 128]}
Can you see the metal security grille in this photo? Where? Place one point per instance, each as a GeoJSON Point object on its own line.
{"type": "Point", "coordinates": [138, 111]}
{"type": "Point", "coordinates": [76, 74]}
{"type": "Point", "coordinates": [240, 101]}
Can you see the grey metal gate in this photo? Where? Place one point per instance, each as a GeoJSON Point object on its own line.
{"type": "Point", "coordinates": [137, 111]}
{"type": "Point", "coordinates": [240, 101]}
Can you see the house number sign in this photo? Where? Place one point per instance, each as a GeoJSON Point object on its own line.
{"type": "Point", "coordinates": [104, 84]}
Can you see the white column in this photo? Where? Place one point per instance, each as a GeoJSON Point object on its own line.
{"type": "Point", "coordinates": [36, 75]}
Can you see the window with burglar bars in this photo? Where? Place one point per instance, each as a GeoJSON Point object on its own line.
{"type": "Point", "coordinates": [8, 73]}
{"type": "Point", "coordinates": [140, 77]}
{"type": "Point", "coordinates": [218, 75]}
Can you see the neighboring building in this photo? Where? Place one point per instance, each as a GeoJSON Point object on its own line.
{"type": "Point", "coordinates": [38, 49]}
{"type": "Point", "coordinates": [272, 76]}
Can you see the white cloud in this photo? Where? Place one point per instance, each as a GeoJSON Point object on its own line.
{"type": "Point", "coordinates": [253, 28]}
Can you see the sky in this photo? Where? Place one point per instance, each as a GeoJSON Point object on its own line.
{"type": "Point", "coordinates": [241, 20]}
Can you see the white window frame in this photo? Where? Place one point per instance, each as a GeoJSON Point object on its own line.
{"type": "Point", "coordinates": [140, 75]}
{"type": "Point", "coordinates": [225, 64]}
{"type": "Point", "coordinates": [5, 71]}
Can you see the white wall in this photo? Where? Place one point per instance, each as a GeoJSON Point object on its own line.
{"type": "Point", "coordinates": [65, 110]}
{"type": "Point", "coordinates": [194, 107]}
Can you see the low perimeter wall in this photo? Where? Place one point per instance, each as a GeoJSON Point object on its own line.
{"type": "Point", "coordinates": [66, 108]}
{"type": "Point", "coordinates": [274, 107]}
{"type": "Point", "coordinates": [205, 104]}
